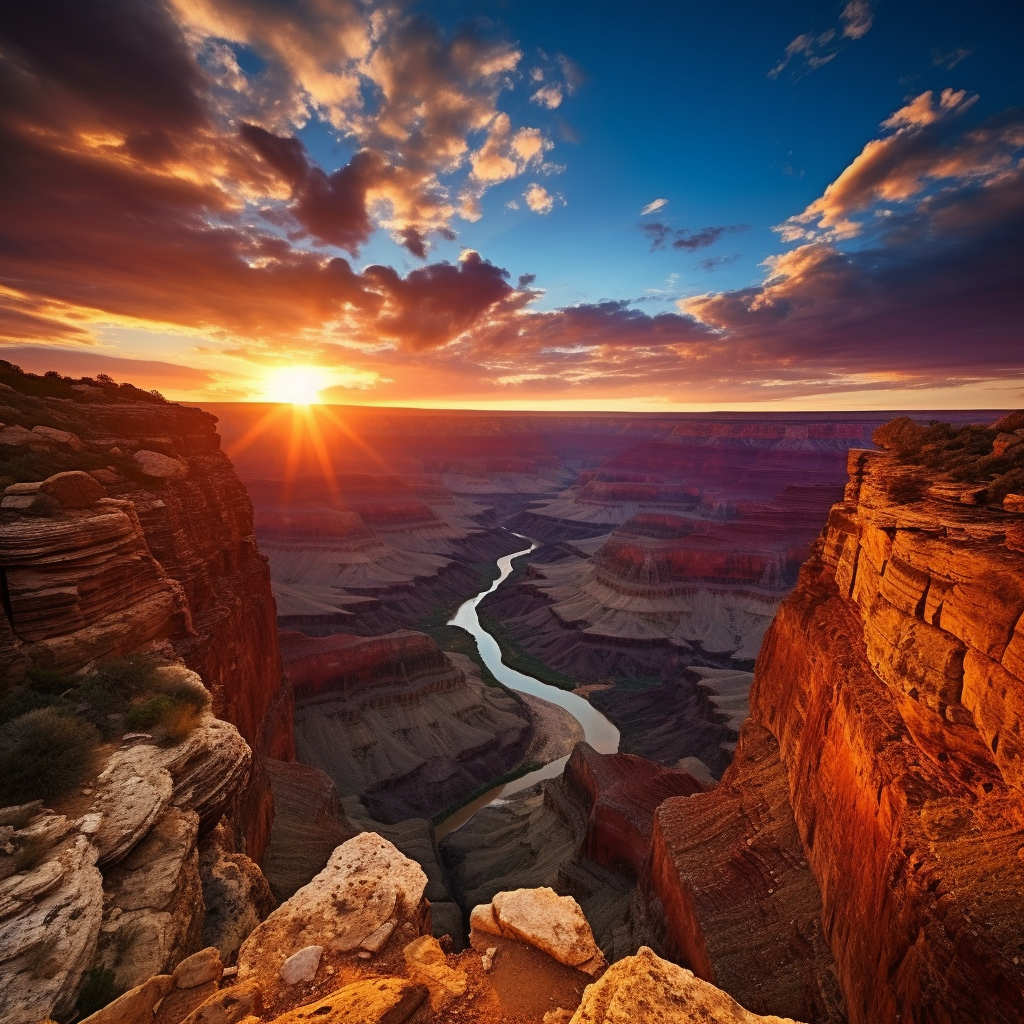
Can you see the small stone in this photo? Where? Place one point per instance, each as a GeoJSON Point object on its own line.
{"type": "Point", "coordinates": [374, 942]}
{"type": "Point", "coordinates": [160, 467]}
{"type": "Point", "coordinates": [86, 792]}
{"type": "Point", "coordinates": [199, 968]}
{"type": "Point", "coordinates": [302, 966]}
{"type": "Point", "coordinates": [363, 955]}
{"type": "Point", "coordinates": [90, 823]}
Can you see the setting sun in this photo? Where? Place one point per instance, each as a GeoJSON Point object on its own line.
{"type": "Point", "coordinates": [299, 385]}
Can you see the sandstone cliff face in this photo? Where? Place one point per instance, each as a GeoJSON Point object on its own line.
{"type": "Point", "coordinates": [885, 711]}
{"type": "Point", "coordinates": [168, 556]}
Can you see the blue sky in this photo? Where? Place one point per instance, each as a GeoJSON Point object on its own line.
{"type": "Point", "coordinates": [441, 203]}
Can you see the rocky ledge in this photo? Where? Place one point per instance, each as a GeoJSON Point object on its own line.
{"type": "Point", "coordinates": [353, 947]}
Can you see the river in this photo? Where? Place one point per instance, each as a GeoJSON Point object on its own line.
{"type": "Point", "coordinates": [598, 731]}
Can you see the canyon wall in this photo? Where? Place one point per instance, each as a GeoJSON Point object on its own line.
{"type": "Point", "coordinates": [874, 804]}
{"type": "Point", "coordinates": [399, 723]}
{"type": "Point", "coordinates": [155, 551]}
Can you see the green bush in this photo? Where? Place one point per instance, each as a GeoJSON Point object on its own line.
{"type": "Point", "coordinates": [47, 681]}
{"type": "Point", "coordinates": [21, 700]}
{"type": "Point", "coordinates": [44, 754]}
{"type": "Point", "coordinates": [148, 713]}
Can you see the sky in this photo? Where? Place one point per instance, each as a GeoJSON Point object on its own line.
{"type": "Point", "coordinates": [518, 204]}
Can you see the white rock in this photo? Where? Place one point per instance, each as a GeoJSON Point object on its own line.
{"type": "Point", "coordinates": [541, 918]}
{"type": "Point", "coordinates": [132, 792]}
{"type": "Point", "coordinates": [301, 966]}
{"type": "Point", "coordinates": [47, 943]}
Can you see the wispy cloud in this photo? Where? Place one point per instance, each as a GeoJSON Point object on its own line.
{"type": "Point", "coordinates": [819, 48]}
{"type": "Point", "coordinates": [653, 206]}
{"type": "Point", "coordinates": [661, 235]}
{"type": "Point", "coordinates": [952, 58]}
{"type": "Point", "coordinates": [857, 18]}
{"type": "Point", "coordinates": [714, 262]}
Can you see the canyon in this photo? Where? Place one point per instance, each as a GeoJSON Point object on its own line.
{"type": "Point", "coordinates": [812, 652]}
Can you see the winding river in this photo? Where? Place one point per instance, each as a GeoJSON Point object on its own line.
{"type": "Point", "coordinates": [598, 731]}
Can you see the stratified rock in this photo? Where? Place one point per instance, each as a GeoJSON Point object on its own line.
{"type": "Point", "coordinates": [153, 904]}
{"type": "Point", "coordinates": [133, 791]}
{"type": "Point", "coordinates": [367, 889]}
{"type": "Point", "coordinates": [160, 467]}
{"type": "Point", "coordinates": [373, 1001]}
{"type": "Point", "coordinates": [541, 918]}
{"type": "Point", "coordinates": [73, 489]}
{"type": "Point", "coordinates": [47, 941]}
{"type": "Point", "coordinates": [720, 860]}
{"type": "Point", "coordinates": [137, 1005]}
{"type": "Point", "coordinates": [644, 989]}
{"type": "Point", "coordinates": [396, 721]}
{"type": "Point", "coordinates": [64, 437]}
{"type": "Point", "coordinates": [84, 586]}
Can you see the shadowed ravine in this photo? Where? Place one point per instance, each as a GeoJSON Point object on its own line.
{"type": "Point", "coordinates": [599, 732]}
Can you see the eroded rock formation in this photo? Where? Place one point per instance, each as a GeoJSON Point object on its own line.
{"type": "Point", "coordinates": [398, 722]}
{"type": "Point", "coordinates": [883, 751]}
{"type": "Point", "coordinates": [145, 555]}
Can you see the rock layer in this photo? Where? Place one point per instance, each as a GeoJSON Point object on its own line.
{"type": "Point", "coordinates": [890, 682]}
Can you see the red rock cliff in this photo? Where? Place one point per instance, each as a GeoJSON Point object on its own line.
{"type": "Point", "coordinates": [173, 542]}
{"type": "Point", "coordinates": [884, 753]}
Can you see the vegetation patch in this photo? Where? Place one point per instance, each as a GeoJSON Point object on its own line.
{"type": "Point", "coordinates": [99, 989]}
{"type": "Point", "coordinates": [972, 454]}
{"type": "Point", "coordinates": [51, 725]}
{"type": "Point", "coordinates": [44, 754]}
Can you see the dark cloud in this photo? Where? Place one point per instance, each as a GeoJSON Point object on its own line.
{"type": "Point", "coordinates": [660, 235]}
{"type": "Point", "coordinates": [714, 262]}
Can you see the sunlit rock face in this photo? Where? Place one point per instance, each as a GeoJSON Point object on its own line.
{"type": "Point", "coordinates": [162, 558]}
{"type": "Point", "coordinates": [884, 752]}
{"type": "Point", "coordinates": [398, 722]}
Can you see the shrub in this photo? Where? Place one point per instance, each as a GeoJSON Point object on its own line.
{"type": "Point", "coordinates": [1010, 422]}
{"type": "Point", "coordinates": [44, 754]}
{"type": "Point", "coordinates": [176, 707]}
{"type": "Point", "coordinates": [21, 700]}
{"type": "Point", "coordinates": [148, 713]}
{"type": "Point", "coordinates": [47, 681]}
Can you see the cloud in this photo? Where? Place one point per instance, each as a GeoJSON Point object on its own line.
{"type": "Point", "coordinates": [539, 199]}
{"type": "Point", "coordinates": [714, 262]}
{"type": "Point", "coordinates": [660, 234]}
{"type": "Point", "coordinates": [549, 96]}
{"type": "Point", "coordinates": [819, 48]}
{"type": "Point", "coordinates": [952, 58]}
{"type": "Point", "coordinates": [653, 207]}
{"type": "Point", "coordinates": [928, 147]}
{"type": "Point", "coordinates": [857, 18]}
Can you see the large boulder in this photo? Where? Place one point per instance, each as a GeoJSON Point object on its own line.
{"type": "Point", "coordinates": [644, 989]}
{"type": "Point", "coordinates": [73, 489]}
{"type": "Point", "coordinates": [359, 899]}
{"type": "Point", "coordinates": [541, 918]}
{"type": "Point", "coordinates": [371, 1001]}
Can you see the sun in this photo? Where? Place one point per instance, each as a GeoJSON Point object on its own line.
{"type": "Point", "coordinates": [299, 385]}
